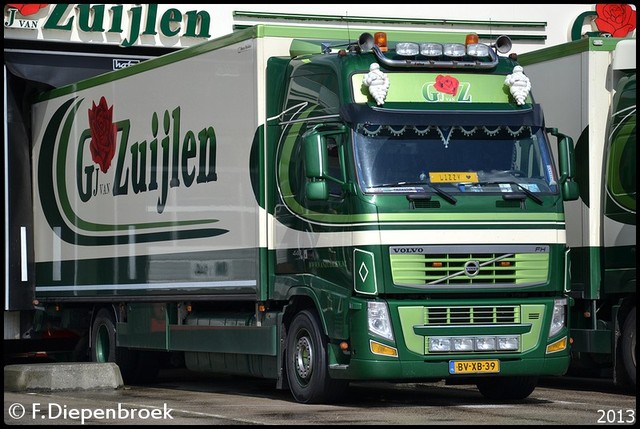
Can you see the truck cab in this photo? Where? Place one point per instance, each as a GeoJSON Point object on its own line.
{"type": "Point", "coordinates": [429, 205]}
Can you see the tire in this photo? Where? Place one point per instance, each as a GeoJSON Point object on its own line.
{"type": "Point", "coordinates": [629, 346]}
{"type": "Point", "coordinates": [103, 346]}
{"type": "Point", "coordinates": [307, 364]}
{"type": "Point", "coordinates": [507, 388]}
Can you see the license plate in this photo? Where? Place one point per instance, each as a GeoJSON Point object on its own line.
{"type": "Point", "coordinates": [453, 177]}
{"type": "Point", "coordinates": [474, 366]}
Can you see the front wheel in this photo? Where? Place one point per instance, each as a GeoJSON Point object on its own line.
{"type": "Point", "coordinates": [507, 388]}
{"type": "Point", "coordinates": [306, 362]}
{"type": "Point", "coordinates": [629, 346]}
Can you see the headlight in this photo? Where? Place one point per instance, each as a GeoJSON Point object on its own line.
{"type": "Point", "coordinates": [379, 320]}
{"type": "Point", "coordinates": [558, 319]}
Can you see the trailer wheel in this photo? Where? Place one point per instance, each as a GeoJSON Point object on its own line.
{"type": "Point", "coordinates": [507, 388]}
{"type": "Point", "coordinates": [629, 345]}
{"type": "Point", "coordinates": [103, 346]}
{"type": "Point", "coordinates": [306, 362]}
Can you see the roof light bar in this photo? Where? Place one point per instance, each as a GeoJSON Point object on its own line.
{"type": "Point", "coordinates": [472, 54]}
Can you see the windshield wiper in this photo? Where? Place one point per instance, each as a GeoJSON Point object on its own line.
{"type": "Point", "coordinates": [524, 189]}
{"type": "Point", "coordinates": [392, 184]}
{"type": "Point", "coordinates": [445, 195]}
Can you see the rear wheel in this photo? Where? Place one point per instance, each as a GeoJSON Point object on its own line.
{"type": "Point", "coordinates": [507, 388]}
{"type": "Point", "coordinates": [306, 362]}
{"type": "Point", "coordinates": [629, 346]}
{"type": "Point", "coordinates": [104, 349]}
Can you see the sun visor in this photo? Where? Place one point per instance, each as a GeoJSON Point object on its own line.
{"type": "Point", "coordinates": [356, 113]}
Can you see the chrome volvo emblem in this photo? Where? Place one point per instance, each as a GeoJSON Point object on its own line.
{"type": "Point", "coordinates": [472, 268]}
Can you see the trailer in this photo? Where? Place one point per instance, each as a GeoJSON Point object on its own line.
{"type": "Point", "coordinates": [303, 205]}
{"type": "Point", "coordinates": [590, 91]}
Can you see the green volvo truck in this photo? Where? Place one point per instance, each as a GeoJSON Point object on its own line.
{"type": "Point", "coordinates": [309, 206]}
{"type": "Point", "coordinates": [590, 92]}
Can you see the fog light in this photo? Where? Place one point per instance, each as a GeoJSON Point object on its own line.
{"type": "Point", "coordinates": [407, 49]}
{"type": "Point", "coordinates": [508, 343]}
{"type": "Point", "coordinates": [463, 344]}
{"type": "Point", "coordinates": [431, 49]}
{"type": "Point", "coordinates": [454, 50]}
{"type": "Point", "coordinates": [439, 344]}
{"type": "Point", "coordinates": [478, 50]}
{"type": "Point", "coordinates": [485, 343]}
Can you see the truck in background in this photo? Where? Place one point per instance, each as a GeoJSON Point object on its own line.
{"type": "Point", "coordinates": [294, 204]}
{"type": "Point", "coordinates": [590, 91]}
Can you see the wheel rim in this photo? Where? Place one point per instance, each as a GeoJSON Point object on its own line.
{"type": "Point", "coordinates": [633, 349]}
{"type": "Point", "coordinates": [303, 358]}
{"type": "Point", "coordinates": [102, 344]}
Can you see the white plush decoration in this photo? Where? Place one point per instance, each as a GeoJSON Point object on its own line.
{"type": "Point", "coordinates": [519, 85]}
{"type": "Point", "coordinates": [377, 82]}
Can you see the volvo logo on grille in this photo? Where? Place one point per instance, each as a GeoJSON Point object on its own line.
{"type": "Point", "coordinates": [472, 268]}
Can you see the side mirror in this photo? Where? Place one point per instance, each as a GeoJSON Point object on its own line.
{"type": "Point", "coordinates": [317, 190]}
{"type": "Point", "coordinates": [570, 190]}
{"type": "Point", "coordinates": [315, 158]}
{"type": "Point", "coordinates": [567, 165]}
{"type": "Point", "coordinates": [315, 154]}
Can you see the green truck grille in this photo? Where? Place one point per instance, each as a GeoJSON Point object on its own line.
{"type": "Point", "coordinates": [422, 324]}
{"type": "Point", "coordinates": [458, 269]}
{"type": "Point", "coordinates": [472, 315]}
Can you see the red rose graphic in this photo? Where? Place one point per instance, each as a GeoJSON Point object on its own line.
{"type": "Point", "coordinates": [103, 134]}
{"type": "Point", "coordinates": [26, 9]}
{"type": "Point", "coordinates": [616, 19]}
{"type": "Point", "coordinates": [447, 84]}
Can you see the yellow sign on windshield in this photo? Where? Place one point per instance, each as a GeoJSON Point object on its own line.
{"type": "Point", "coordinates": [453, 177]}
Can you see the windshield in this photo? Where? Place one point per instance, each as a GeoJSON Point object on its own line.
{"type": "Point", "coordinates": [456, 159]}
